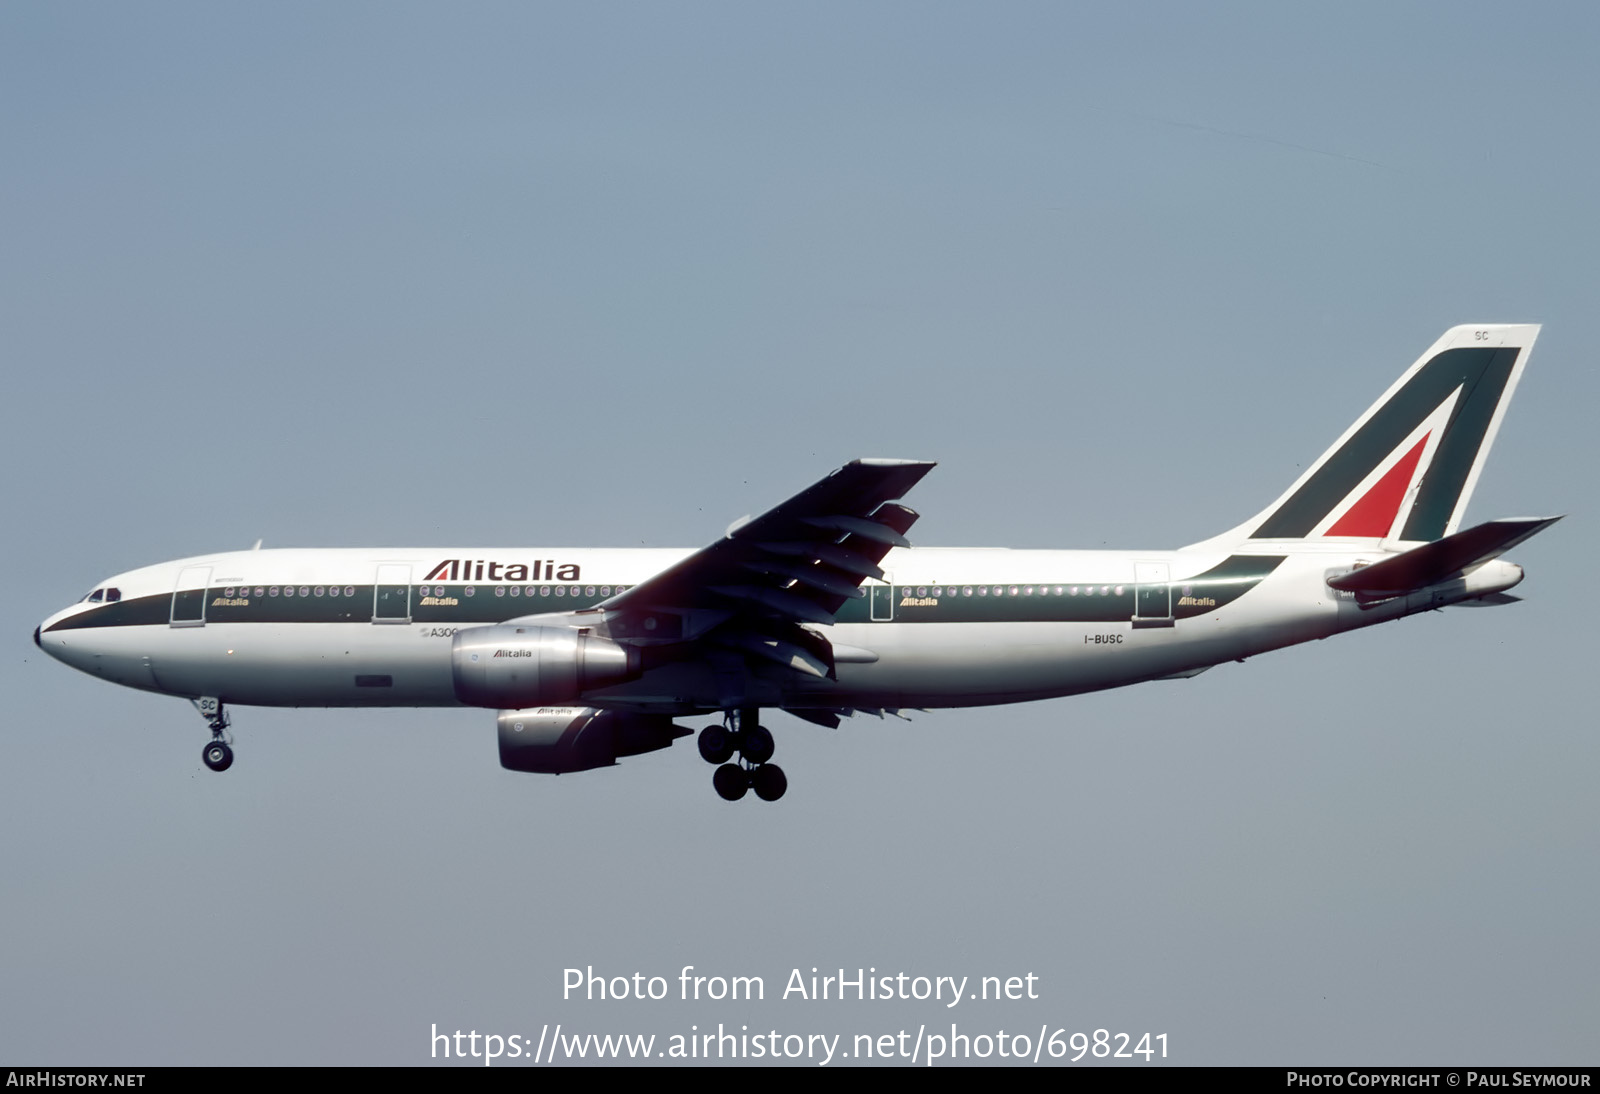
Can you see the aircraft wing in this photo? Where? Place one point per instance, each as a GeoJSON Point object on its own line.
{"type": "Point", "coordinates": [753, 589]}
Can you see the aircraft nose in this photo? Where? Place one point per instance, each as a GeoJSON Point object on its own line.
{"type": "Point", "coordinates": [36, 641]}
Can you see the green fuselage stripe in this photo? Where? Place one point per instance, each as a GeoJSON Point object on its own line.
{"type": "Point", "coordinates": [468, 605]}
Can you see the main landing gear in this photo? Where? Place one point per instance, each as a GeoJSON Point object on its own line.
{"type": "Point", "coordinates": [217, 755]}
{"type": "Point", "coordinates": [744, 734]}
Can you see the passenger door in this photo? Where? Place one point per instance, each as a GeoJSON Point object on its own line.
{"type": "Point", "coordinates": [1152, 597]}
{"type": "Point", "coordinates": [391, 593]}
{"type": "Point", "coordinates": [189, 597]}
{"type": "Point", "coordinates": [882, 594]}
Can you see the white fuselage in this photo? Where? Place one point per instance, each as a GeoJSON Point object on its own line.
{"type": "Point", "coordinates": [948, 627]}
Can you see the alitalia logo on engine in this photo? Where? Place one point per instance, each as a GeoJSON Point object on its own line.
{"type": "Point", "coordinates": [480, 569]}
{"type": "Point", "coordinates": [513, 653]}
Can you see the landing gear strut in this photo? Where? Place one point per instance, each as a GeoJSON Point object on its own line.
{"type": "Point", "coordinates": [744, 734]}
{"type": "Point", "coordinates": [217, 755]}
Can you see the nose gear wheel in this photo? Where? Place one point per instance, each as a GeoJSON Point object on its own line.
{"type": "Point", "coordinates": [217, 755]}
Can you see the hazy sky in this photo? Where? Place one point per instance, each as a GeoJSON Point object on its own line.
{"type": "Point", "coordinates": [618, 274]}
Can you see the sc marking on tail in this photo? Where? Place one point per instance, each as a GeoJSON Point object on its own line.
{"type": "Point", "coordinates": [821, 607]}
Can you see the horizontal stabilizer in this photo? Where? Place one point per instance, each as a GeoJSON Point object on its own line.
{"type": "Point", "coordinates": [1442, 559]}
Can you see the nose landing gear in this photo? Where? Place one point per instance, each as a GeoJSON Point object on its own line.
{"type": "Point", "coordinates": [742, 733]}
{"type": "Point", "coordinates": [217, 755]}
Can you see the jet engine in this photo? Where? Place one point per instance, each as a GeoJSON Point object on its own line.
{"type": "Point", "coordinates": [556, 740]}
{"type": "Point", "coordinates": [526, 666]}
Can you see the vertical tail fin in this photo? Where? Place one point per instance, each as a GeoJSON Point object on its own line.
{"type": "Point", "coordinates": [1406, 469]}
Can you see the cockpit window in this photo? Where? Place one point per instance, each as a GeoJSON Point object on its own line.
{"type": "Point", "coordinates": [95, 597]}
{"type": "Point", "coordinates": [113, 595]}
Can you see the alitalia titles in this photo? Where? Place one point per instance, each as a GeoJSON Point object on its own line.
{"type": "Point", "coordinates": [478, 569]}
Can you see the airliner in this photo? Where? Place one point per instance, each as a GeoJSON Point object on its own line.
{"type": "Point", "coordinates": [821, 607]}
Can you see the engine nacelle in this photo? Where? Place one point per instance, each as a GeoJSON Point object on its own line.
{"type": "Point", "coordinates": [556, 740]}
{"type": "Point", "coordinates": [515, 666]}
